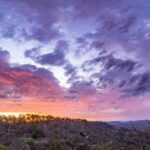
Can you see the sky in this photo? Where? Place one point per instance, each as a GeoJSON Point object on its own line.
{"type": "Point", "coordinates": [76, 58]}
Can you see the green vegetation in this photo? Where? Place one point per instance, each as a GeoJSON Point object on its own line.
{"type": "Point", "coordinates": [3, 147]}
{"type": "Point", "coordinates": [34, 132]}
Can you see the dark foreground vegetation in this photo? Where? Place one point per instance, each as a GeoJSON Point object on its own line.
{"type": "Point", "coordinates": [34, 132]}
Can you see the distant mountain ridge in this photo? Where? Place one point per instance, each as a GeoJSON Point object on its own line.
{"type": "Point", "coordinates": [139, 124]}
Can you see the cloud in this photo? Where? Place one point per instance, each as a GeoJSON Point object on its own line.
{"type": "Point", "coordinates": [23, 82]}
{"type": "Point", "coordinates": [71, 72]}
{"type": "Point", "coordinates": [138, 84]}
{"type": "Point", "coordinates": [83, 88]}
{"type": "Point", "coordinates": [121, 39]}
{"type": "Point", "coordinates": [4, 57]}
{"type": "Point", "coordinates": [17, 81]}
{"type": "Point", "coordinates": [121, 27]}
{"type": "Point", "coordinates": [127, 76]}
{"type": "Point", "coordinates": [31, 19]}
{"type": "Point", "coordinates": [56, 58]}
{"type": "Point", "coordinates": [87, 8]}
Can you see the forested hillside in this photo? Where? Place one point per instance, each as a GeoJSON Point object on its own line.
{"type": "Point", "coordinates": [34, 132]}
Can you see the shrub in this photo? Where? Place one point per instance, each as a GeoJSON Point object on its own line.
{"type": "Point", "coordinates": [56, 144]}
{"type": "Point", "coordinates": [30, 142]}
{"type": "Point", "coordinates": [3, 147]}
{"type": "Point", "coordinates": [37, 133]}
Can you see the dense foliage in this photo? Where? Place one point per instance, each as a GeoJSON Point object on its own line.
{"type": "Point", "coordinates": [36, 132]}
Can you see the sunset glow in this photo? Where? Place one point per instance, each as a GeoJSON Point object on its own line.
{"type": "Point", "coordinates": [16, 114]}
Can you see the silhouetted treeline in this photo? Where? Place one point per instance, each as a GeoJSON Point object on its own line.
{"type": "Point", "coordinates": [40, 132]}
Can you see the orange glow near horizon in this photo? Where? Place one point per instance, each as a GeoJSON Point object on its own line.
{"type": "Point", "coordinates": [16, 114]}
{"type": "Point", "coordinates": [79, 109]}
{"type": "Point", "coordinates": [69, 109]}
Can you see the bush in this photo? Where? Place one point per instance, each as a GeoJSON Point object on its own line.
{"type": "Point", "coordinates": [37, 133]}
{"type": "Point", "coordinates": [56, 144]}
{"type": "Point", "coordinates": [30, 142]}
{"type": "Point", "coordinates": [105, 146]}
{"type": "Point", "coordinates": [3, 147]}
{"type": "Point", "coordinates": [18, 145]}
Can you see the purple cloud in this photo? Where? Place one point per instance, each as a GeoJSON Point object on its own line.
{"type": "Point", "coordinates": [56, 58]}
{"type": "Point", "coordinates": [126, 75]}
{"type": "Point", "coordinates": [4, 57]}
{"type": "Point", "coordinates": [18, 81]}
{"type": "Point", "coordinates": [121, 31]}
{"type": "Point", "coordinates": [31, 19]}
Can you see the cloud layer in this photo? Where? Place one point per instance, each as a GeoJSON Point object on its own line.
{"type": "Point", "coordinates": [17, 81]}
{"type": "Point", "coordinates": [91, 53]}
